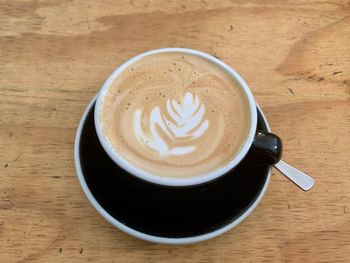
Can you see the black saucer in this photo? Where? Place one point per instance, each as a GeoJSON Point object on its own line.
{"type": "Point", "coordinates": [162, 211]}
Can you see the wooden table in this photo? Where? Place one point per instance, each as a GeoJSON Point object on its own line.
{"type": "Point", "coordinates": [54, 56]}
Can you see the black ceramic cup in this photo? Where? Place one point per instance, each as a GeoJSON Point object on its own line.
{"type": "Point", "coordinates": [266, 147]}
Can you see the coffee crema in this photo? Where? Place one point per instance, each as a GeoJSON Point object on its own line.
{"type": "Point", "coordinates": [175, 115]}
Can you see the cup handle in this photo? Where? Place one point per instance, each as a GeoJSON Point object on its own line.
{"type": "Point", "coordinates": [265, 150]}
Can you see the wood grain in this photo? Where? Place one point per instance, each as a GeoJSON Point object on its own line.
{"type": "Point", "coordinates": [54, 56]}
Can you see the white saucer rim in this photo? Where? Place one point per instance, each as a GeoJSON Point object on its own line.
{"type": "Point", "coordinates": [141, 235]}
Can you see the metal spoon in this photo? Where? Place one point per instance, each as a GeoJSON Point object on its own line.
{"type": "Point", "coordinates": [301, 179]}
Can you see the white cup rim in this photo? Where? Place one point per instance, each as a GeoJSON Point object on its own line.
{"type": "Point", "coordinates": [152, 178]}
{"type": "Point", "coordinates": [138, 234]}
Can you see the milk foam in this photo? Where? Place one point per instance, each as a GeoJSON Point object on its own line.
{"type": "Point", "coordinates": [175, 115]}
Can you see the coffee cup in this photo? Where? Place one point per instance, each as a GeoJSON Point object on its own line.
{"type": "Point", "coordinates": [179, 117]}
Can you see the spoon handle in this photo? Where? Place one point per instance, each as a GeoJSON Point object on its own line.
{"type": "Point", "coordinates": [301, 179]}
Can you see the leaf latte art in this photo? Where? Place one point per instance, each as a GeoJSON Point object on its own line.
{"type": "Point", "coordinates": [183, 122]}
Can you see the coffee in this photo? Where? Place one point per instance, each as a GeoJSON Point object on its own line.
{"type": "Point", "coordinates": [174, 114]}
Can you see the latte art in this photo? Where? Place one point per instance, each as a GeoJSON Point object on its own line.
{"type": "Point", "coordinates": [181, 124]}
{"type": "Point", "coordinates": [175, 115]}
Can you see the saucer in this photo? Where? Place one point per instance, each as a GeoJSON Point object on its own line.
{"type": "Point", "coordinates": [162, 214]}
